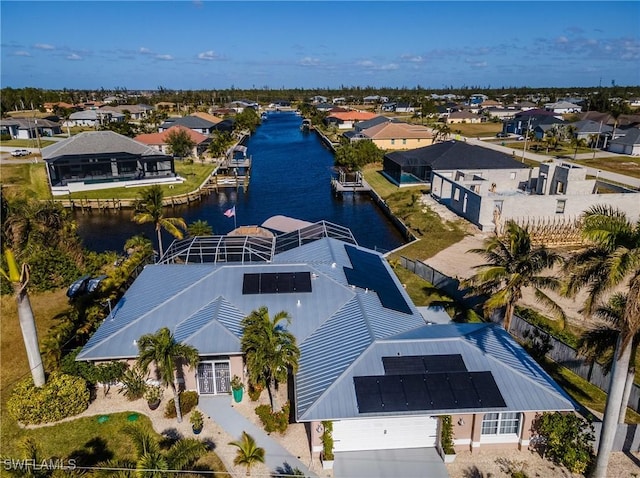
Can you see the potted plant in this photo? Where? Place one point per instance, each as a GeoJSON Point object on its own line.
{"type": "Point", "coordinates": [327, 446]}
{"type": "Point", "coordinates": [197, 421]}
{"type": "Point", "coordinates": [446, 439]}
{"type": "Point", "coordinates": [153, 396]}
{"type": "Point", "coordinates": [237, 387]}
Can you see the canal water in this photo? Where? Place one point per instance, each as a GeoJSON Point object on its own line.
{"type": "Point", "coordinates": [290, 175]}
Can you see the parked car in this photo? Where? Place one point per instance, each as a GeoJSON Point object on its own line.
{"type": "Point", "coordinates": [79, 287]}
{"type": "Point", "coordinates": [502, 135]}
{"type": "Point", "coordinates": [20, 152]}
{"type": "Point", "coordinates": [95, 282]}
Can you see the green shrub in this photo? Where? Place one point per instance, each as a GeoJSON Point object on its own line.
{"type": "Point", "coordinates": [61, 397]}
{"type": "Point", "coordinates": [446, 435]}
{"type": "Point", "coordinates": [327, 441]}
{"type": "Point", "coordinates": [188, 400]}
{"type": "Point", "coordinates": [274, 422]}
{"type": "Point", "coordinates": [254, 391]}
{"type": "Point", "coordinates": [565, 439]}
{"type": "Point", "coordinates": [134, 383]}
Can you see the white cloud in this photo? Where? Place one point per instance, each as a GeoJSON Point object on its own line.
{"type": "Point", "coordinates": [22, 53]}
{"type": "Point", "coordinates": [413, 58]}
{"type": "Point", "coordinates": [144, 51]}
{"type": "Point", "coordinates": [44, 46]}
{"type": "Point", "coordinates": [365, 63]}
{"type": "Point", "coordinates": [208, 55]}
{"type": "Point", "coordinates": [562, 39]}
{"type": "Point", "coordinates": [74, 57]}
{"type": "Point", "coordinates": [308, 61]}
{"type": "Point", "coordinates": [164, 57]}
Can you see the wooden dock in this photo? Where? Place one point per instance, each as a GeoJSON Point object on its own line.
{"type": "Point", "coordinates": [350, 186]}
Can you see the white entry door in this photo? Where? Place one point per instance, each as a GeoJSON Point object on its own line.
{"type": "Point", "coordinates": [213, 378]}
{"type": "Point", "coordinates": [385, 433]}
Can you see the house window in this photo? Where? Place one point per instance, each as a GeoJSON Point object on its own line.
{"type": "Point", "coordinates": [213, 377]}
{"type": "Point", "coordinates": [512, 175]}
{"type": "Point", "coordinates": [560, 205]}
{"type": "Point", "coordinates": [456, 195]}
{"type": "Point", "coordinates": [404, 141]}
{"type": "Point", "coordinates": [501, 423]}
{"type": "Point", "coordinates": [393, 141]}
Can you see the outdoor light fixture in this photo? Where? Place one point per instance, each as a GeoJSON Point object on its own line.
{"type": "Point", "coordinates": [319, 428]}
{"type": "Point", "coordinates": [461, 422]}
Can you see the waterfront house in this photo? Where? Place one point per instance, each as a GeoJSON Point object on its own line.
{"type": "Point", "coordinates": [563, 107]}
{"type": "Point", "coordinates": [104, 159]}
{"type": "Point", "coordinates": [159, 140]}
{"type": "Point", "coordinates": [392, 135]}
{"type": "Point", "coordinates": [135, 112]}
{"type": "Point", "coordinates": [370, 362]}
{"type": "Point", "coordinates": [418, 165]}
{"type": "Point", "coordinates": [348, 119]}
{"type": "Point", "coordinates": [195, 123]}
{"type": "Point", "coordinates": [93, 118]}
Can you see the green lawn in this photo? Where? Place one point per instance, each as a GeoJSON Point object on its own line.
{"type": "Point", "coordinates": [27, 179]}
{"type": "Point", "coordinates": [26, 143]}
{"type": "Point", "coordinates": [629, 165]}
{"type": "Point", "coordinates": [195, 174]}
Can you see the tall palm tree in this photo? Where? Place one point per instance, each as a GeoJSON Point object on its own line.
{"type": "Point", "coordinates": [611, 260]}
{"type": "Point", "coordinates": [513, 263]}
{"type": "Point", "coordinates": [270, 350]}
{"type": "Point", "coordinates": [599, 342]}
{"type": "Point", "coordinates": [19, 279]}
{"type": "Point", "coordinates": [167, 354]}
{"type": "Point", "coordinates": [149, 209]}
{"type": "Point", "coordinates": [151, 459]}
{"type": "Point", "coordinates": [199, 228]}
{"type": "Point", "coordinates": [249, 453]}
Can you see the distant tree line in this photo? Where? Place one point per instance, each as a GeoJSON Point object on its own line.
{"type": "Point", "coordinates": [598, 98]}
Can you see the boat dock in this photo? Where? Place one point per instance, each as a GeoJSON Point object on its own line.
{"type": "Point", "coordinates": [350, 183]}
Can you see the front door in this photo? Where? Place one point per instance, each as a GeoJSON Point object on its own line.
{"type": "Point", "coordinates": [213, 378]}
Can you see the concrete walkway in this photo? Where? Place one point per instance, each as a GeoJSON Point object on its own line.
{"type": "Point", "coordinates": [219, 409]}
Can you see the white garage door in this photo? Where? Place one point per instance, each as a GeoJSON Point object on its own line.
{"type": "Point", "coordinates": [385, 433]}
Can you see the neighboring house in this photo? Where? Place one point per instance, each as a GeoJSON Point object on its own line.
{"type": "Point", "coordinates": [369, 361]}
{"type": "Point", "coordinates": [418, 165]}
{"type": "Point", "coordinates": [93, 118]}
{"type": "Point", "coordinates": [240, 105]}
{"type": "Point", "coordinates": [51, 107]}
{"type": "Point", "coordinates": [341, 100]}
{"type": "Point", "coordinates": [551, 193]}
{"type": "Point", "coordinates": [404, 108]}
{"type": "Point", "coordinates": [563, 107]}
{"type": "Point", "coordinates": [525, 105]}
{"type": "Point", "coordinates": [591, 130]}
{"type": "Point", "coordinates": [165, 106]}
{"type": "Point", "coordinates": [348, 119]}
{"type": "Point", "coordinates": [192, 122]}
{"type": "Point", "coordinates": [457, 117]}
{"type": "Point", "coordinates": [627, 144]}
{"type": "Point", "coordinates": [356, 133]}
{"type": "Point", "coordinates": [528, 120]}
{"type": "Point", "coordinates": [104, 159]}
{"type": "Point", "coordinates": [321, 99]}
{"type": "Point", "coordinates": [326, 107]}
{"type": "Point", "coordinates": [29, 128]}
{"type": "Point", "coordinates": [397, 135]}
{"type": "Point", "coordinates": [136, 112]}
{"type": "Point", "coordinates": [208, 117]}
{"type": "Point", "coordinates": [491, 104]}
{"type": "Point", "coordinates": [159, 140]}
{"type": "Point", "coordinates": [500, 113]}
{"type": "Point", "coordinates": [374, 99]}
{"type": "Point", "coordinates": [478, 99]}
{"type": "Point", "coordinates": [546, 124]}
{"type": "Point", "coordinates": [389, 107]}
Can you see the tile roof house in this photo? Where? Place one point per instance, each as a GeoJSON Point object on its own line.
{"type": "Point", "coordinates": [348, 119]}
{"type": "Point", "coordinates": [370, 362]}
{"type": "Point", "coordinates": [159, 140]}
{"type": "Point", "coordinates": [397, 135]}
{"type": "Point", "coordinates": [463, 117]}
{"type": "Point", "coordinates": [102, 160]}
{"type": "Point", "coordinates": [195, 123]}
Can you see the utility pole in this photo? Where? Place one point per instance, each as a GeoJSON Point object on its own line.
{"type": "Point", "coordinates": [526, 138]}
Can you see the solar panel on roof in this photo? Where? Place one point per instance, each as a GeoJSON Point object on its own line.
{"type": "Point", "coordinates": [276, 283]}
{"type": "Point", "coordinates": [419, 364]}
{"type": "Point", "coordinates": [434, 391]}
{"type": "Point", "coordinates": [369, 272]}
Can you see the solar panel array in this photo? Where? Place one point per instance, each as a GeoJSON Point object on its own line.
{"type": "Point", "coordinates": [427, 391]}
{"type": "Point", "coordinates": [276, 283]}
{"type": "Point", "coordinates": [369, 272]}
{"type": "Point", "coordinates": [418, 364]}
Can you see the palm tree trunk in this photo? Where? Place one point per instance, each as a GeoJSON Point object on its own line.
{"type": "Point", "coordinates": [508, 316]}
{"type": "Point", "coordinates": [612, 409]}
{"type": "Point", "coordinates": [176, 400]}
{"type": "Point", "coordinates": [273, 396]}
{"type": "Point", "coordinates": [159, 232]}
{"type": "Point", "coordinates": [29, 334]}
{"type": "Point", "coordinates": [631, 374]}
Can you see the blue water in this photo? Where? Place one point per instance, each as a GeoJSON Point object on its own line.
{"type": "Point", "coordinates": [290, 175]}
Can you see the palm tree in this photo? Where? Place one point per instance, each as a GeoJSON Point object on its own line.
{"type": "Point", "coordinates": [199, 228]}
{"type": "Point", "coordinates": [149, 209]}
{"type": "Point", "coordinates": [151, 460]}
{"type": "Point", "coordinates": [599, 343]}
{"type": "Point", "coordinates": [163, 349]}
{"type": "Point", "coordinates": [513, 264]}
{"type": "Point", "coordinates": [19, 279]}
{"type": "Point", "coordinates": [270, 350]}
{"type": "Point", "coordinates": [248, 453]}
{"type": "Point", "coordinates": [443, 130]}
{"type": "Point", "coordinates": [611, 259]}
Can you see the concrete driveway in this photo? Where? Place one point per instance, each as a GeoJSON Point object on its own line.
{"type": "Point", "coordinates": [405, 463]}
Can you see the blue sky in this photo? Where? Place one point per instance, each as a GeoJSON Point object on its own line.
{"type": "Point", "coordinates": [216, 45]}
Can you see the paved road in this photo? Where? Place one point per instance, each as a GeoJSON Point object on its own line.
{"type": "Point", "coordinates": [600, 174]}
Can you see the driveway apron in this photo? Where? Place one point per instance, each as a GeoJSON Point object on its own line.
{"type": "Point", "coordinates": [404, 463]}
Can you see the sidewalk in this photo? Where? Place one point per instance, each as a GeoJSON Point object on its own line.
{"type": "Point", "coordinates": [220, 410]}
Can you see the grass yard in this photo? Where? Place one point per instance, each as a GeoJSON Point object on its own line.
{"type": "Point", "coordinates": [194, 173]}
{"type": "Point", "coordinates": [26, 143]}
{"type": "Point", "coordinates": [629, 165]}
{"type": "Point", "coordinates": [27, 179]}
{"type": "Point", "coordinates": [476, 130]}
